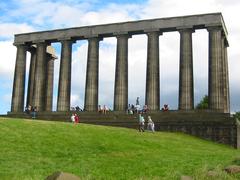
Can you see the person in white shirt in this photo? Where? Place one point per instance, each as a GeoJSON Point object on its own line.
{"type": "Point", "coordinates": [150, 125]}
{"type": "Point", "coordinates": [141, 123]}
{"type": "Point", "coordinates": [73, 118]}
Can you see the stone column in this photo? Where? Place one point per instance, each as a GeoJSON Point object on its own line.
{"type": "Point", "coordinates": [152, 99]}
{"type": "Point", "coordinates": [49, 82]}
{"type": "Point", "coordinates": [121, 74]}
{"type": "Point", "coordinates": [91, 88]}
{"type": "Point", "coordinates": [226, 102]}
{"type": "Point", "coordinates": [64, 86]}
{"type": "Point", "coordinates": [31, 76]}
{"type": "Point", "coordinates": [40, 77]}
{"type": "Point", "coordinates": [19, 79]}
{"type": "Point", "coordinates": [186, 91]}
{"type": "Point", "coordinates": [215, 70]}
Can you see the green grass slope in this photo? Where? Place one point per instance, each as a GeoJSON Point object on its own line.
{"type": "Point", "coordinates": [35, 149]}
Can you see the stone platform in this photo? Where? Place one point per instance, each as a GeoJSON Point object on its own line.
{"type": "Point", "coordinates": [217, 127]}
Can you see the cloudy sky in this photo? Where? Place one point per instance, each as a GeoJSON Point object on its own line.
{"type": "Point", "coordinates": [21, 16]}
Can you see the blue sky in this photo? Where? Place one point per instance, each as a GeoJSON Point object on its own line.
{"type": "Point", "coordinates": [21, 16]}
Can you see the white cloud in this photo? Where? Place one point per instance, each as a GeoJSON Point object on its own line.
{"type": "Point", "coordinates": [7, 30]}
{"type": "Point", "coordinates": [8, 56]}
{"type": "Point", "coordinates": [75, 100]}
{"type": "Point", "coordinates": [170, 8]}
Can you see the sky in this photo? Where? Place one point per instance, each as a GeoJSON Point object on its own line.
{"type": "Point", "coordinates": [22, 16]}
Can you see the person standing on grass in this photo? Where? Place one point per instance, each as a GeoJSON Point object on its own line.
{"type": "Point", "coordinates": [76, 119]}
{"type": "Point", "coordinates": [150, 125]}
{"type": "Point", "coordinates": [141, 122]}
{"type": "Point", "coordinates": [34, 112]}
{"type": "Point", "coordinates": [73, 118]}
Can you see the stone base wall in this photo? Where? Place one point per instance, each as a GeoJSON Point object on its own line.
{"type": "Point", "coordinates": [217, 127]}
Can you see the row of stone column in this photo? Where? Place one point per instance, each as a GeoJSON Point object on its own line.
{"type": "Point", "coordinates": [41, 74]}
{"type": "Point", "coordinates": [40, 81]}
{"type": "Point", "coordinates": [218, 83]}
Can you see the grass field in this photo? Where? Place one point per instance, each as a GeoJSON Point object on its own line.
{"type": "Point", "coordinates": [31, 149]}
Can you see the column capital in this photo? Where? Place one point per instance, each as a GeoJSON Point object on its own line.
{"type": "Point", "coordinates": [185, 29]}
{"type": "Point", "coordinates": [95, 38]}
{"type": "Point", "coordinates": [40, 42]}
{"type": "Point", "coordinates": [151, 30]}
{"type": "Point", "coordinates": [122, 34]}
{"type": "Point", "coordinates": [20, 44]}
{"type": "Point", "coordinates": [214, 28]}
{"type": "Point", "coordinates": [159, 33]}
{"type": "Point", "coordinates": [67, 40]}
{"type": "Point", "coordinates": [92, 36]}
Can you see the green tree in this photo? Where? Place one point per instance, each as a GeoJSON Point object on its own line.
{"type": "Point", "coordinates": [237, 115]}
{"type": "Point", "coordinates": [203, 103]}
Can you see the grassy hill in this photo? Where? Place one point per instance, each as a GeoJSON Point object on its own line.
{"type": "Point", "coordinates": [34, 149]}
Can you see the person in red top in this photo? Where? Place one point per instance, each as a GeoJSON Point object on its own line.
{"type": "Point", "coordinates": [76, 118]}
{"type": "Point", "coordinates": [165, 107]}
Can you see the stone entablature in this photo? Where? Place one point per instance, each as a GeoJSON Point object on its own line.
{"type": "Point", "coordinates": [201, 21]}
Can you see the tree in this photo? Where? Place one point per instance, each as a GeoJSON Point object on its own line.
{"type": "Point", "coordinates": [237, 115]}
{"type": "Point", "coordinates": [203, 103]}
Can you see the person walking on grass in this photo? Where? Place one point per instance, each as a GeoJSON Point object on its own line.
{"type": "Point", "coordinates": [76, 119]}
{"type": "Point", "coordinates": [150, 125]}
{"type": "Point", "coordinates": [73, 118]}
{"type": "Point", "coordinates": [141, 122]}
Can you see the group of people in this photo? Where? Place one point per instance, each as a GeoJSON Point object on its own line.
{"type": "Point", "coordinates": [137, 109]}
{"type": "Point", "coordinates": [31, 110]}
{"type": "Point", "coordinates": [75, 118]}
{"type": "Point", "coordinates": [132, 109]}
{"type": "Point", "coordinates": [103, 109]}
{"type": "Point", "coordinates": [165, 107]}
{"type": "Point", "coordinates": [77, 108]}
{"type": "Point", "coordinates": [150, 123]}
